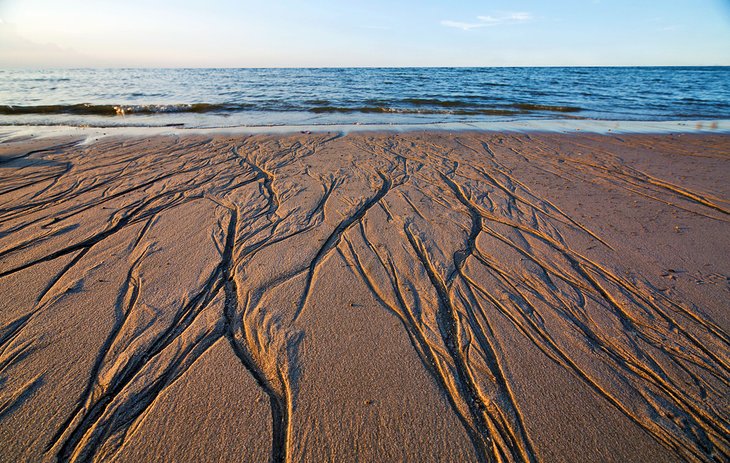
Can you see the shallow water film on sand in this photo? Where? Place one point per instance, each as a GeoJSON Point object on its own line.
{"type": "Point", "coordinates": [365, 297]}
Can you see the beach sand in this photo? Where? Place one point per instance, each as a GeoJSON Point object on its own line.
{"type": "Point", "coordinates": [421, 296]}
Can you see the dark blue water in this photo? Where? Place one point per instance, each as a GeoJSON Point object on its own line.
{"type": "Point", "coordinates": [229, 97]}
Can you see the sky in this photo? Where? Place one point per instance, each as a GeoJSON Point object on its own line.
{"type": "Point", "coordinates": [333, 33]}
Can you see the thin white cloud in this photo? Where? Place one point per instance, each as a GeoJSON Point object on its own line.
{"type": "Point", "coordinates": [520, 16]}
{"type": "Point", "coordinates": [489, 21]}
{"type": "Point", "coordinates": [462, 25]}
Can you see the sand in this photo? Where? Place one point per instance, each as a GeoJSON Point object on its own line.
{"type": "Point", "coordinates": [419, 296]}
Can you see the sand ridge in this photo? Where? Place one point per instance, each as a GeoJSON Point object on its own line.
{"type": "Point", "coordinates": [386, 297]}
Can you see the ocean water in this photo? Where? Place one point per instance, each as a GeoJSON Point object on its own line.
{"type": "Point", "coordinates": [262, 97]}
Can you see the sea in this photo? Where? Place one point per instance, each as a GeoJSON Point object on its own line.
{"type": "Point", "coordinates": [204, 98]}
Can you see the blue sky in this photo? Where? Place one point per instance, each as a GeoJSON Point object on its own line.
{"type": "Point", "coordinates": [252, 33]}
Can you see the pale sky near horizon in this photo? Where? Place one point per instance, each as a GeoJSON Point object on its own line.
{"type": "Point", "coordinates": [294, 33]}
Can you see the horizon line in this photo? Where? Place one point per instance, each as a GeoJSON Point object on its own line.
{"type": "Point", "coordinates": [36, 68]}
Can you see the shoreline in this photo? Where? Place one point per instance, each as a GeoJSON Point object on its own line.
{"type": "Point", "coordinates": [594, 126]}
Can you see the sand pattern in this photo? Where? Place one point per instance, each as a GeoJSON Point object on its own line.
{"type": "Point", "coordinates": [379, 297]}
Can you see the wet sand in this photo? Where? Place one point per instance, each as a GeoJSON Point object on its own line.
{"type": "Point", "coordinates": [420, 296]}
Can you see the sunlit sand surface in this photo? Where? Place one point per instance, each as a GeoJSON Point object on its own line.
{"type": "Point", "coordinates": [421, 296]}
